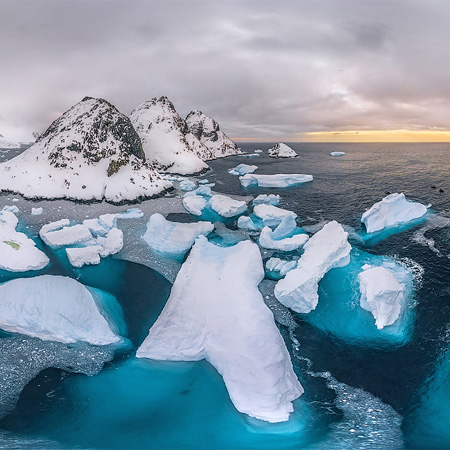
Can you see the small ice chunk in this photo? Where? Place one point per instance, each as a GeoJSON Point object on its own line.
{"type": "Point", "coordinates": [226, 206]}
{"type": "Point", "coordinates": [246, 223]}
{"type": "Point", "coordinates": [194, 204]}
{"type": "Point", "coordinates": [34, 307]}
{"type": "Point", "coordinates": [381, 294]}
{"type": "Point", "coordinates": [393, 210]}
{"type": "Point", "coordinates": [280, 265]}
{"type": "Point", "coordinates": [281, 150]}
{"type": "Point", "coordinates": [187, 185]}
{"type": "Point", "coordinates": [173, 238]}
{"type": "Point", "coordinates": [36, 211]}
{"type": "Point", "coordinates": [204, 191]}
{"type": "Point", "coordinates": [132, 213]}
{"type": "Point", "coordinates": [79, 256]}
{"type": "Point", "coordinates": [267, 199]}
{"type": "Point", "coordinates": [279, 180]}
{"type": "Point", "coordinates": [13, 208]}
{"type": "Point", "coordinates": [216, 312]}
{"type": "Point", "coordinates": [204, 181]}
{"type": "Point", "coordinates": [337, 153]}
{"type": "Point", "coordinates": [272, 215]}
{"type": "Point", "coordinates": [328, 248]}
{"type": "Point", "coordinates": [289, 244]}
{"type": "Point", "coordinates": [242, 169]}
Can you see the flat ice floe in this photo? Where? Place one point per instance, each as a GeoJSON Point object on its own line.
{"type": "Point", "coordinates": [326, 249]}
{"type": "Point", "coordinates": [267, 199]}
{"type": "Point", "coordinates": [280, 266]}
{"type": "Point", "coordinates": [285, 237]}
{"type": "Point", "coordinates": [381, 294]}
{"type": "Point", "coordinates": [242, 169]}
{"type": "Point", "coordinates": [54, 308]}
{"type": "Point", "coordinates": [18, 253]}
{"type": "Point", "coordinates": [226, 206]}
{"type": "Point", "coordinates": [337, 154]}
{"type": "Point", "coordinates": [216, 312]}
{"type": "Point", "coordinates": [392, 211]}
{"type": "Point", "coordinates": [272, 216]}
{"type": "Point", "coordinates": [276, 181]}
{"type": "Point", "coordinates": [173, 239]}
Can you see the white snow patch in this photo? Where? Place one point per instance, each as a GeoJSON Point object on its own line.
{"type": "Point", "coordinates": [337, 154]}
{"type": "Point", "coordinates": [267, 199]}
{"type": "Point", "coordinates": [36, 211]}
{"type": "Point", "coordinates": [226, 206]}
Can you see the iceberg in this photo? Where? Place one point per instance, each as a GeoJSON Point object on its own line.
{"type": "Point", "coordinates": [34, 307]}
{"type": "Point", "coordinates": [381, 294]}
{"type": "Point", "coordinates": [242, 169]}
{"type": "Point", "coordinates": [194, 204]}
{"type": "Point", "coordinates": [337, 154]}
{"type": "Point", "coordinates": [80, 256]}
{"type": "Point", "coordinates": [226, 206]}
{"type": "Point", "coordinates": [392, 211]}
{"type": "Point", "coordinates": [216, 312]}
{"type": "Point", "coordinates": [281, 150]}
{"type": "Point", "coordinates": [173, 238]}
{"type": "Point", "coordinates": [280, 266]}
{"type": "Point", "coordinates": [267, 199]}
{"type": "Point", "coordinates": [279, 181]}
{"type": "Point", "coordinates": [67, 235]}
{"type": "Point", "coordinates": [326, 249]}
{"type": "Point", "coordinates": [272, 216]}
{"type": "Point", "coordinates": [18, 253]}
{"type": "Point", "coordinates": [11, 208]}
{"type": "Point", "coordinates": [187, 185]}
{"type": "Point", "coordinates": [285, 236]}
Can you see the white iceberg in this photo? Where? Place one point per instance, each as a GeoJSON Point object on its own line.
{"type": "Point", "coordinates": [173, 238]}
{"type": "Point", "coordinates": [279, 180]}
{"type": "Point", "coordinates": [337, 154]}
{"type": "Point", "coordinates": [288, 244]}
{"type": "Point", "coordinates": [66, 235]}
{"type": "Point", "coordinates": [36, 211]}
{"type": "Point", "coordinates": [194, 204]}
{"type": "Point", "coordinates": [53, 308]}
{"type": "Point", "coordinates": [226, 206]}
{"type": "Point", "coordinates": [280, 265]}
{"type": "Point", "coordinates": [281, 150]}
{"type": "Point", "coordinates": [327, 249]}
{"type": "Point", "coordinates": [18, 253]}
{"type": "Point", "coordinates": [216, 312]}
{"type": "Point", "coordinates": [270, 215]}
{"type": "Point", "coordinates": [267, 199]}
{"type": "Point", "coordinates": [393, 210]}
{"type": "Point", "coordinates": [242, 169]}
{"type": "Point", "coordinates": [187, 185]}
{"type": "Point", "coordinates": [381, 294]}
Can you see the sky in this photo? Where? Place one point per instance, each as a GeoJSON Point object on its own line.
{"type": "Point", "coordinates": [340, 70]}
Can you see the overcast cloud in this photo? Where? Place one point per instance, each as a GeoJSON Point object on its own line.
{"type": "Point", "coordinates": [262, 69]}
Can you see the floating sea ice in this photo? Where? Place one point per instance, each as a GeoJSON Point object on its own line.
{"type": "Point", "coordinates": [281, 150]}
{"type": "Point", "coordinates": [18, 253]}
{"type": "Point", "coordinates": [337, 154]}
{"type": "Point", "coordinates": [34, 307]}
{"type": "Point", "coordinates": [393, 210]}
{"type": "Point", "coordinates": [187, 185]}
{"type": "Point", "coordinates": [284, 237]}
{"type": "Point", "coordinates": [279, 180]}
{"type": "Point", "coordinates": [267, 199]}
{"type": "Point", "coordinates": [66, 235]}
{"type": "Point", "coordinates": [226, 206]}
{"type": "Point", "coordinates": [204, 190]}
{"type": "Point", "coordinates": [250, 155]}
{"type": "Point", "coordinates": [194, 204]}
{"type": "Point", "coordinates": [258, 151]}
{"type": "Point", "coordinates": [280, 265]}
{"type": "Point", "coordinates": [173, 238]}
{"type": "Point", "coordinates": [272, 215]}
{"type": "Point", "coordinates": [381, 294]}
{"type": "Point", "coordinates": [36, 211]}
{"type": "Point", "coordinates": [216, 312]}
{"type": "Point", "coordinates": [328, 248]}
{"type": "Point", "coordinates": [286, 228]}
{"type": "Point", "coordinates": [80, 256]}
{"type": "Point", "coordinates": [13, 208]}
{"type": "Point", "coordinates": [247, 223]}
{"type": "Point", "coordinates": [242, 169]}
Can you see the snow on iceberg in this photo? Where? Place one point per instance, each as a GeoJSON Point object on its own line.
{"type": "Point", "coordinates": [381, 294]}
{"type": "Point", "coordinates": [242, 169]}
{"type": "Point", "coordinates": [54, 308]}
{"type": "Point", "coordinates": [285, 237]}
{"type": "Point", "coordinates": [279, 180]}
{"type": "Point", "coordinates": [18, 253]}
{"type": "Point", "coordinates": [326, 249]}
{"type": "Point", "coordinates": [281, 150]}
{"type": "Point", "coordinates": [194, 204]}
{"type": "Point", "coordinates": [216, 312]}
{"type": "Point", "coordinates": [267, 199]}
{"type": "Point", "coordinates": [173, 238]}
{"type": "Point", "coordinates": [337, 154]}
{"type": "Point", "coordinates": [270, 215]}
{"type": "Point", "coordinates": [392, 211]}
{"type": "Point", "coordinates": [226, 206]}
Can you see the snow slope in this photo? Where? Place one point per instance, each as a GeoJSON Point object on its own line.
{"type": "Point", "coordinates": [91, 152]}
{"type": "Point", "coordinates": [216, 312]}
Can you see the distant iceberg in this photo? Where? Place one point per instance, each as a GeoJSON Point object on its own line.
{"type": "Point", "coordinates": [266, 199]}
{"type": "Point", "coordinates": [281, 150]}
{"type": "Point", "coordinates": [33, 306]}
{"type": "Point", "coordinates": [392, 211]}
{"type": "Point", "coordinates": [18, 253]}
{"type": "Point", "coordinates": [242, 169]}
{"type": "Point", "coordinates": [326, 249]}
{"type": "Point", "coordinates": [216, 312]}
{"type": "Point", "coordinates": [279, 181]}
{"type": "Point", "coordinates": [337, 154]}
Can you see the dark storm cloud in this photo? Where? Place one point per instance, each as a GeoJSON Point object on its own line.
{"type": "Point", "coordinates": [262, 69]}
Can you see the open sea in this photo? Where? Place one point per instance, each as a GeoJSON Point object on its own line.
{"type": "Point", "coordinates": [364, 389]}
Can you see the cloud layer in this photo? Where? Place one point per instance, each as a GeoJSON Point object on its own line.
{"type": "Point", "coordinates": [262, 69]}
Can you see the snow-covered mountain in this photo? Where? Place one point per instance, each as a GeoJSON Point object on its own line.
{"type": "Point", "coordinates": [7, 144]}
{"type": "Point", "coordinates": [165, 139]}
{"type": "Point", "coordinates": [91, 152]}
{"type": "Point", "coordinates": [281, 150]}
{"type": "Point", "coordinates": [208, 132]}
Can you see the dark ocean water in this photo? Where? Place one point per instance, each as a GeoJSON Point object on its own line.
{"type": "Point", "coordinates": [376, 391]}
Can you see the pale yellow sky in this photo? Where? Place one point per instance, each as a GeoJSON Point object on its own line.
{"type": "Point", "coordinates": [363, 136]}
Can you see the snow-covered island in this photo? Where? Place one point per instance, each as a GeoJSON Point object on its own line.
{"type": "Point", "coordinates": [281, 150]}
{"type": "Point", "coordinates": [92, 152]}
